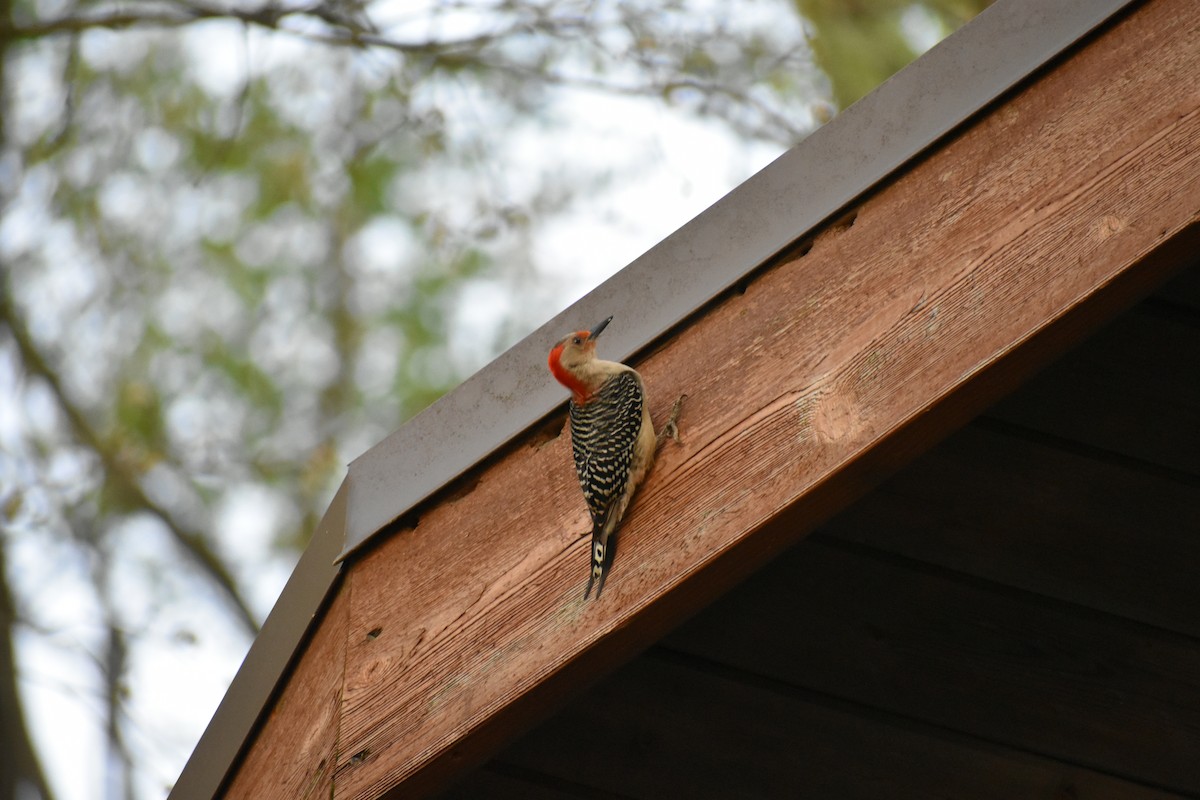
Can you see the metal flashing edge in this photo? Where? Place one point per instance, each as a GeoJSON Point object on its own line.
{"type": "Point", "coordinates": [277, 643]}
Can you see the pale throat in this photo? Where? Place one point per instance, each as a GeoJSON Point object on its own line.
{"type": "Point", "coordinates": [586, 380]}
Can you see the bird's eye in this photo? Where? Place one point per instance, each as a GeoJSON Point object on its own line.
{"type": "Point", "coordinates": [577, 340]}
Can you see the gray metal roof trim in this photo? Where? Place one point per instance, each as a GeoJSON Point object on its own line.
{"type": "Point", "coordinates": [276, 644]}
{"type": "Point", "coordinates": [754, 222]}
{"type": "Point", "coordinates": [758, 219]}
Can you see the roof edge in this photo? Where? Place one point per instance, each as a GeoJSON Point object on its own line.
{"type": "Point", "coordinates": [758, 219]}
{"type": "Point", "coordinates": [232, 725]}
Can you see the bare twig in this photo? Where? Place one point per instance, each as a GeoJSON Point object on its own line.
{"type": "Point", "coordinates": [341, 29]}
{"type": "Point", "coordinates": [352, 28]}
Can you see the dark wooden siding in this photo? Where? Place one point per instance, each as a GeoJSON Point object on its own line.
{"type": "Point", "coordinates": [1016, 614]}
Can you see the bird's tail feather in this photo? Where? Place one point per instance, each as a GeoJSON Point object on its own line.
{"type": "Point", "coordinates": [604, 547]}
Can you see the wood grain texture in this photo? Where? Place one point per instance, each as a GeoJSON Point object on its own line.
{"type": "Point", "coordinates": [1002, 667]}
{"type": "Point", "coordinates": [293, 755]}
{"type": "Point", "coordinates": [1036, 521]}
{"type": "Point", "coordinates": [952, 283]}
{"type": "Point", "coordinates": [667, 727]}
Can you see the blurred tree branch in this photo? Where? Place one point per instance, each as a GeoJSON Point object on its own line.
{"type": "Point", "coordinates": [20, 770]}
{"type": "Point", "coordinates": [193, 543]}
{"type": "Point", "coordinates": [349, 26]}
{"type": "Point", "coordinates": [342, 27]}
{"type": "Point", "coordinates": [114, 668]}
{"type": "Point", "coordinates": [21, 773]}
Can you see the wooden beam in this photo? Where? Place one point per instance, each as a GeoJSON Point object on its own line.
{"type": "Point", "coordinates": [951, 284]}
{"type": "Point", "coordinates": [1015, 512]}
{"type": "Point", "coordinates": [1154, 388]}
{"type": "Point", "coordinates": [1077, 486]}
{"type": "Point", "coordinates": [673, 725]}
{"type": "Point", "coordinates": [294, 752]}
{"type": "Point", "coordinates": [721, 247]}
{"type": "Point", "coordinates": [969, 628]}
{"type": "Point", "coordinates": [999, 666]}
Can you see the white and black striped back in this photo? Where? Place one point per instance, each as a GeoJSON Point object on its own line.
{"type": "Point", "coordinates": [603, 434]}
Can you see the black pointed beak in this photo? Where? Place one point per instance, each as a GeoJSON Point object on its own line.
{"type": "Point", "coordinates": [596, 331]}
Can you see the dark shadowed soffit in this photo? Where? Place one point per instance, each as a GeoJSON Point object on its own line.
{"type": "Point", "coordinates": [754, 222]}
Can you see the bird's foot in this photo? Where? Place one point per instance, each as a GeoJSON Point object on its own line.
{"type": "Point", "coordinates": [671, 429]}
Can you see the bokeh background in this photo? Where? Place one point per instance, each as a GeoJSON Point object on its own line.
{"type": "Point", "coordinates": [240, 242]}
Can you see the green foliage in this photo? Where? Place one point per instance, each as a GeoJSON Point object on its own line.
{"type": "Point", "coordinates": [138, 417]}
{"type": "Point", "coordinates": [861, 43]}
{"type": "Point", "coordinates": [371, 179]}
{"type": "Point", "coordinates": [249, 382]}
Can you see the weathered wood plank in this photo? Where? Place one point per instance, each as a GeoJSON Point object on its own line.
{"type": "Point", "coordinates": [1043, 678]}
{"type": "Point", "coordinates": [1017, 512]}
{"type": "Point", "coordinates": [1010, 510]}
{"type": "Point", "coordinates": [1132, 389]}
{"type": "Point", "coordinates": [951, 284]}
{"type": "Point", "coordinates": [1024, 514]}
{"type": "Point", "coordinates": [672, 731]}
{"type": "Point", "coordinates": [295, 752]}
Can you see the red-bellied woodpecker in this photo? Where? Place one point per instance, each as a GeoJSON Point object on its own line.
{"type": "Point", "coordinates": [612, 437]}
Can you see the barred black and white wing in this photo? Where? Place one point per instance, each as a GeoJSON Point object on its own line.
{"type": "Point", "coordinates": [604, 434]}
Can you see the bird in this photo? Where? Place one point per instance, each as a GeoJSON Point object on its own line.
{"type": "Point", "coordinates": [612, 437]}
